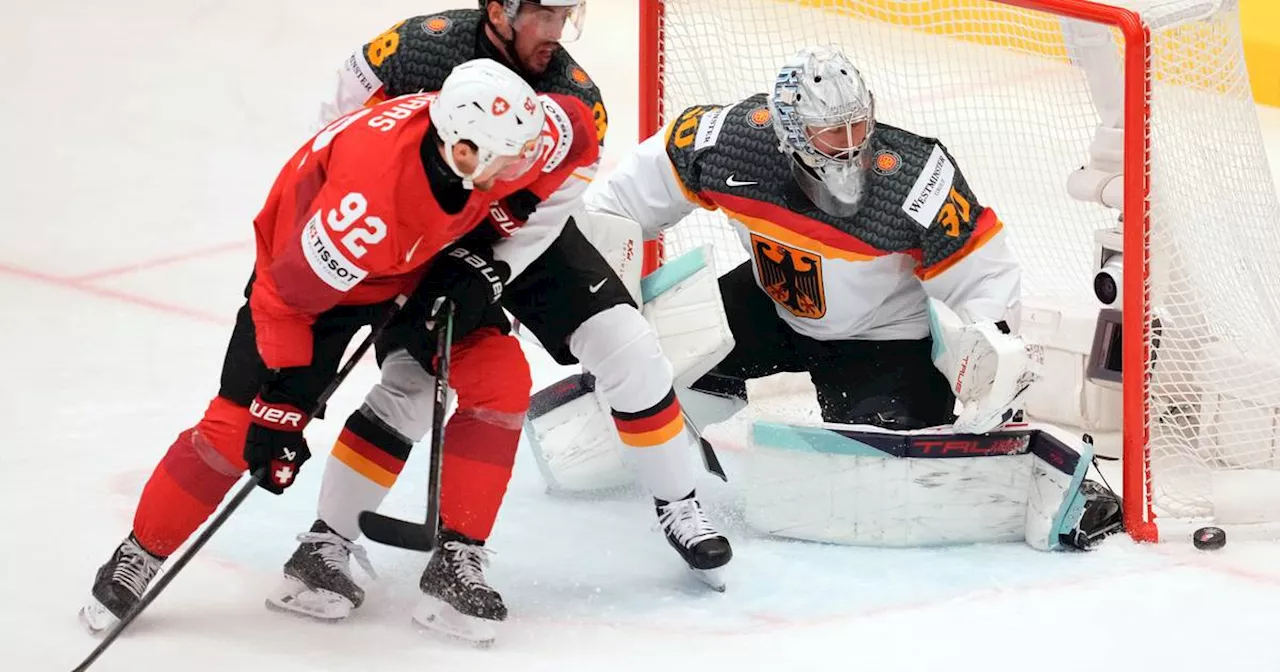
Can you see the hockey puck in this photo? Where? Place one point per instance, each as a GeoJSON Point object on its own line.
{"type": "Point", "coordinates": [1209, 538]}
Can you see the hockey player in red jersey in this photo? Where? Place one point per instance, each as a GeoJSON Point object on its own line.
{"type": "Point", "coordinates": [562, 290]}
{"type": "Point", "coordinates": [372, 207]}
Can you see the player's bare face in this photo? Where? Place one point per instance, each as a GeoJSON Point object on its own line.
{"type": "Point", "coordinates": [511, 168]}
{"type": "Point", "coordinates": [840, 142]}
{"type": "Point", "coordinates": [538, 31]}
{"type": "Point", "coordinates": [499, 169]}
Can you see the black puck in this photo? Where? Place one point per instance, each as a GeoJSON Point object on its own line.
{"type": "Point", "coordinates": [1209, 538]}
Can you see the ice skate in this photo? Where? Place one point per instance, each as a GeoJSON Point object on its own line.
{"type": "Point", "coordinates": [1102, 516]}
{"type": "Point", "coordinates": [119, 585]}
{"type": "Point", "coordinates": [695, 539]}
{"type": "Point", "coordinates": [317, 579]}
{"type": "Point", "coordinates": [456, 600]}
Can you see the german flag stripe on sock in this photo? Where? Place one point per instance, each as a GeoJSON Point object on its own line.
{"type": "Point", "coordinates": [372, 451]}
{"type": "Point", "coordinates": [653, 426]}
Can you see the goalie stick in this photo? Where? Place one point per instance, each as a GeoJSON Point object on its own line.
{"type": "Point", "coordinates": [408, 534]}
{"type": "Point", "coordinates": [236, 500]}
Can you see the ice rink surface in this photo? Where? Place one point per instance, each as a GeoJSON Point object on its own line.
{"type": "Point", "coordinates": [138, 141]}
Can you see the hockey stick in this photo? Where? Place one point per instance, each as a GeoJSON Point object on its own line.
{"type": "Point", "coordinates": [709, 458]}
{"type": "Point", "coordinates": [408, 534]}
{"type": "Point", "coordinates": [236, 500]}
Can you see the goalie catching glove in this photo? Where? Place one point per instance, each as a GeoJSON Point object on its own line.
{"type": "Point", "coordinates": [989, 368]}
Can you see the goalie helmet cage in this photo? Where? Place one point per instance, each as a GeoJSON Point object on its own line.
{"type": "Point", "coordinates": [1003, 85]}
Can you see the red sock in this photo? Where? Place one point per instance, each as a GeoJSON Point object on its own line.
{"type": "Point", "coordinates": [191, 479]}
{"type": "Point", "coordinates": [478, 457]}
{"type": "Point", "coordinates": [492, 379]}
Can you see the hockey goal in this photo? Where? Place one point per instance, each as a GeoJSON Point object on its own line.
{"type": "Point", "coordinates": [1043, 102]}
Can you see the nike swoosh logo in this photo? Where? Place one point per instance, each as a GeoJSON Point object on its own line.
{"type": "Point", "coordinates": [413, 249]}
{"type": "Point", "coordinates": [735, 183]}
{"type": "Point", "coordinates": [596, 287]}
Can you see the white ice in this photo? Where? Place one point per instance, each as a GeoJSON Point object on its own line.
{"type": "Point", "coordinates": [137, 141]}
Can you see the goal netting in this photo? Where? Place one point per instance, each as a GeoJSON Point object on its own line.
{"type": "Point", "coordinates": [1031, 96]}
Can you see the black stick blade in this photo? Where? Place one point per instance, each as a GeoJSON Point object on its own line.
{"type": "Point", "coordinates": [711, 461]}
{"type": "Point", "coordinates": [399, 533]}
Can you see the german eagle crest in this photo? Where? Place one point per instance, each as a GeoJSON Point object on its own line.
{"type": "Point", "coordinates": [792, 277]}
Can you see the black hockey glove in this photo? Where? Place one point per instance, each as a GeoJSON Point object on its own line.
{"type": "Point", "coordinates": [471, 279]}
{"type": "Point", "coordinates": [275, 440]}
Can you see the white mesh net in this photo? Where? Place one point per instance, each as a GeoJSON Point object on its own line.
{"type": "Point", "coordinates": [999, 86]}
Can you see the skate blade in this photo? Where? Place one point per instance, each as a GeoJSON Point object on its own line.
{"type": "Point", "coordinates": [295, 597]}
{"type": "Point", "coordinates": [96, 618]}
{"type": "Point", "coordinates": [437, 616]}
{"type": "Point", "coordinates": [713, 578]}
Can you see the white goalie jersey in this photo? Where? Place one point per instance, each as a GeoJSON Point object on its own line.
{"type": "Point", "coordinates": [921, 256]}
{"type": "Point", "coordinates": [919, 234]}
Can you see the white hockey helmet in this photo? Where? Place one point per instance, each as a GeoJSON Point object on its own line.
{"type": "Point", "coordinates": [577, 15]}
{"type": "Point", "coordinates": [493, 108]}
{"type": "Point", "coordinates": [824, 115]}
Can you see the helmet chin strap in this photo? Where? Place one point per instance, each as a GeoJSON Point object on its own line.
{"type": "Point", "coordinates": [468, 180]}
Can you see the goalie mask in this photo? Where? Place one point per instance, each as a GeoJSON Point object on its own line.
{"type": "Point", "coordinates": [824, 116]}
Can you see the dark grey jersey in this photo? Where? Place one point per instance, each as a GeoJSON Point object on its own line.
{"type": "Point", "coordinates": [918, 232]}
{"type": "Point", "coordinates": [417, 54]}
{"type": "Point", "coordinates": [916, 200]}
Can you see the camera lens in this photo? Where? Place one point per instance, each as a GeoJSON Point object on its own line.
{"type": "Point", "coordinates": [1105, 288]}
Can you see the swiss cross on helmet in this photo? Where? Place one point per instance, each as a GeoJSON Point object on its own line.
{"type": "Point", "coordinates": [493, 108]}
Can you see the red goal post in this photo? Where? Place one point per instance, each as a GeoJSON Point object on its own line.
{"type": "Point", "coordinates": [684, 45]}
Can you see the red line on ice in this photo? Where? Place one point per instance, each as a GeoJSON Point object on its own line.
{"type": "Point", "coordinates": [81, 285]}
{"type": "Point", "coordinates": [178, 258]}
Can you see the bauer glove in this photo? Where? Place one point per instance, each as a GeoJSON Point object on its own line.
{"type": "Point", "coordinates": [274, 441]}
{"type": "Point", "coordinates": [468, 277]}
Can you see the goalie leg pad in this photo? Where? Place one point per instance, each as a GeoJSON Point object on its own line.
{"type": "Point", "coordinates": [866, 486]}
{"type": "Point", "coordinates": [574, 440]}
{"type": "Point", "coordinates": [1055, 502]}
{"type": "Point", "coordinates": [682, 301]}
{"type": "Point", "coordinates": [1102, 516]}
